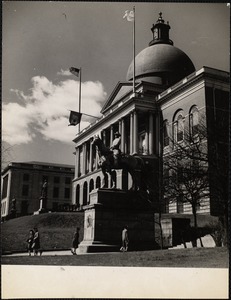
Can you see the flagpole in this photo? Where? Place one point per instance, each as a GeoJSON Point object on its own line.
{"type": "Point", "coordinates": [80, 73]}
{"type": "Point", "coordinates": [134, 63]}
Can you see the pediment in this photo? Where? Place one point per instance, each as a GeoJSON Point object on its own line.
{"type": "Point", "coordinates": [121, 89]}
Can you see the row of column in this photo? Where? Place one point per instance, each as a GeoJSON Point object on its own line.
{"type": "Point", "coordinates": [85, 156]}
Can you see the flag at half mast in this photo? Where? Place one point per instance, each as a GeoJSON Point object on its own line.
{"type": "Point", "coordinates": [74, 71]}
{"type": "Point", "coordinates": [75, 118]}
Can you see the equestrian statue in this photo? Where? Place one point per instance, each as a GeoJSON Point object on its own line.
{"type": "Point", "coordinates": [112, 158]}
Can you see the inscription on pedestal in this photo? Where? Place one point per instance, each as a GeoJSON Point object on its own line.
{"type": "Point", "coordinates": [88, 225]}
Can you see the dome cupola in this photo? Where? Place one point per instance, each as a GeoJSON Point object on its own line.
{"type": "Point", "coordinates": [160, 32]}
{"type": "Point", "coordinates": [161, 62]}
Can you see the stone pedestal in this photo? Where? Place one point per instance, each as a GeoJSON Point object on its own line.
{"type": "Point", "coordinates": [42, 206]}
{"type": "Point", "coordinates": [106, 215]}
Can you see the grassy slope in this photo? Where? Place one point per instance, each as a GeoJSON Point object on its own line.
{"type": "Point", "coordinates": [56, 230]}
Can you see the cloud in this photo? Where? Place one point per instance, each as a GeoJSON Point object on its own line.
{"type": "Point", "coordinates": [45, 109]}
{"type": "Point", "coordinates": [64, 72]}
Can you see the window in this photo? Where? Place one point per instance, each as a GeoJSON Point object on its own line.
{"type": "Point", "coordinates": [5, 186]}
{"type": "Point", "coordinates": [67, 180]}
{"type": "Point", "coordinates": [55, 192]}
{"type": "Point", "coordinates": [179, 204]}
{"type": "Point", "coordinates": [67, 193]}
{"type": "Point", "coordinates": [26, 177]}
{"type": "Point", "coordinates": [178, 127]}
{"type": "Point", "coordinates": [55, 206]}
{"type": "Point", "coordinates": [56, 180]}
{"type": "Point", "coordinates": [142, 144]}
{"type": "Point", "coordinates": [25, 190]}
{"type": "Point", "coordinates": [193, 121]}
{"type": "Point", "coordinates": [166, 133]}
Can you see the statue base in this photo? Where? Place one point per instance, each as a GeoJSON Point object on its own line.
{"type": "Point", "coordinates": [42, 208]}
{"type": "Point", "coordinates": [107, 214]}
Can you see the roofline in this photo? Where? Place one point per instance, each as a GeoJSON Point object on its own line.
{"type": "Point", "coordinates": [183, 83]}
{"type": "Point", "coordinates": [31, 163]}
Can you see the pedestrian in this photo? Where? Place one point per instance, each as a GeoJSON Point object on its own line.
{"type": "Point", "coordinates": [125, 240]}
{"type": "Point", "coordinates": [30, 241]}
{"type": "Point", "coordinates": [75, 241]}
{"type": "Point", "coordinates": [36, 242]}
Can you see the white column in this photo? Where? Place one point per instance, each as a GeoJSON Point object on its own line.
{"type": "Point", "coordinates": [131, 133]}
{"type": "Point", "coordinates": [104, 136]}
{"type": "Point", "coordinates": [157, 134]}
{"type": "Point", "coordinates": [111, 135]}
{"type": "Point", "coordinates": [90, 157]}
{"type": "Point", "coordinates": [151, 133]}
{"type": "Point", "coordinates": [135, 132]}
{"type": "Point", "coordinates": [84, 158]}
{"type": "Point", "coordinates": [77, 162]}
{"type": "Point", "coordinates": [146, 136]}
{"type": "Point", "coordinates": [120, 126]}
{"type": "Point", "coordinates": [122, 136]}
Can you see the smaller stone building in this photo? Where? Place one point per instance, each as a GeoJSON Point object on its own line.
{"type": "Point", "coordinates": [22, 184]}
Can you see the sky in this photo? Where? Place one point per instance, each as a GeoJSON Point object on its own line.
{"type": "Point", "coordinates": [42, 40]}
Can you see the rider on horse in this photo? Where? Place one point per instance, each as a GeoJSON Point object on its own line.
{"type": "Point", "coordinates": [115, 148]}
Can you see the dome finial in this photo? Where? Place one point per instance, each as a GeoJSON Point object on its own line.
{"type": "Point", "coordinates": [160, 19]}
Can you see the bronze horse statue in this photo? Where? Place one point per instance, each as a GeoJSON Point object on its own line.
{"type": "Point", "coordinates": [129, 163]}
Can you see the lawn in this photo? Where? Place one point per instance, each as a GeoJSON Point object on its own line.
{"type": "Point", "coordinates": [181, 258]}
{"type": "Point", "coordinates": [56, 231]}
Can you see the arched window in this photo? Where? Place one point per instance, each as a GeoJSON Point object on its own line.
{"type": "Point", "coordinates": [77, 196]}
{"type": "Point", "coordinates": [91, 185]}
{"type": "Point", "coordinates": [178, 127]}
{"type": "Point", "coordinates": [98, 182]}
{"type": "Point", "coordinates": [193, 121]}
{"type": "Point", "coordinates": [85, 193]}
{"type": "Point", "coordinates": [166, 133]}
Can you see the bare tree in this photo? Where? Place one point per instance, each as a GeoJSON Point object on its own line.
{"type": "Point", "coordinates": [192, 174]}
{"type": "Point", "coordinates": [6, 154]}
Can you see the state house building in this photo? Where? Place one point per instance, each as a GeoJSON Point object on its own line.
{"type": "Point", "coordinates": [169, 95]}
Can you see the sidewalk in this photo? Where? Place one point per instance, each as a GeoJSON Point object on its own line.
{"type": "Point", "coordinates": [53, 253]}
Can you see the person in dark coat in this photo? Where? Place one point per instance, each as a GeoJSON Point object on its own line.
{"type": "Point", "coordinates": [36, 242]}
{"type": "Point", "coordinates": [30, 241]}
{"type": "Point", "coordinates": [125, 240]}
{"type": "Point", "coordinates": [75, 241]}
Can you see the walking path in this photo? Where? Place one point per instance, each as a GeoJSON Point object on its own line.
{"type": "Point", "coordinates": [54, 253]}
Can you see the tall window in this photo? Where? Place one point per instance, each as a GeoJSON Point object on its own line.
{"type": "Point", "coordinates": [25, 190]}
{"type": "Point", "coordinates": [179, 204]}
{"type": "Point", "coordinates": [56, 179]}
{"type": "Point", "coordinates": [26, 177]}
{"type": "Point", "coordinates": [178, 127]}
{"type": "Point", "coordinates": [193, 121]}
{"type": "Point", "coordinates": [166, 133]}
{"type": "Point", "coordinates": [67, 180]}
{"type": "Point", "coordinates": [67, 193]}
{"type": "Point", "coordinates": [55, 192]}
{"type": "Point", "coordinates": [5, 186]}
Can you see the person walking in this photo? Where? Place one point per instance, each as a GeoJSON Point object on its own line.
{"type": "Point", "coordinates": [125, 240]}
{"type": "Point", "coordinates": [36, 242]}
{"type": "Point", "coordinates": [75, 241]}
{"type": "Point", "coordinates": [30, 242]}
